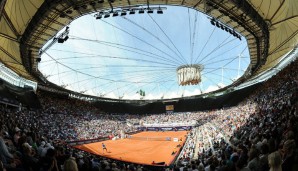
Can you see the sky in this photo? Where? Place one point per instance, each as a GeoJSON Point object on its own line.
{"type": "Point", "coordinates": [115, 57]}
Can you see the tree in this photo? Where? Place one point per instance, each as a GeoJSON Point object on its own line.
{"type": "Point", "coordinates": [141, 92]}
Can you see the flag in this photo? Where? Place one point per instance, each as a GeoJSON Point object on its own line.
{"type": "Point", "coordinates": [141, 92]}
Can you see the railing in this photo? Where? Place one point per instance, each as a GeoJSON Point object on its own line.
{"type": "Point", "coordinates": [8, 102]}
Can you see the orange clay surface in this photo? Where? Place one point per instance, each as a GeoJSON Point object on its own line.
{"type": "Point", "coordinates": [138, 151]}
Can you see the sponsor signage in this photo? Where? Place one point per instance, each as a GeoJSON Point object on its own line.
{"type": "Point", "coordinates": [177, 128]}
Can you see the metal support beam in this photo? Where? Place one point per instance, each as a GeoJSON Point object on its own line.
{"type": "Point", "coordinates": [148, 4]}
{"type": "Point", "coordinates": [58, 12]}
{"type": "Point", "coordinates": [10, 55]}
{"type": "Point", "coordinates": [8, 37]}
{"type": "Point", "coordinates": [256, 27]}
{"type": "Point", "coordinates": [283, 43]}
{"type": "Point", "coordinates": [110, 3]}
{"type": "Point", "coordinates": [10, 24]}
{"type": "Point", "coordinates": [282, 3]}
{"type": "Point", "coordinates": [182, 3]}
{"type": "Point", "coordinates": [200, 1]}
{"type": "Point", "coordinates": [34, 24]}
{"type": "Point", "coordinates": [2, 4]}
{"type": "Point", "coordinates": [56, 22]}
{"type": "Point", "coordinates": [65, 33]}
{"type": "Point", "coordinates": [283, 20]}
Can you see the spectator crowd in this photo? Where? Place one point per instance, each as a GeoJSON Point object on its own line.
{"type": "Point", "coordinates": [260, 133]}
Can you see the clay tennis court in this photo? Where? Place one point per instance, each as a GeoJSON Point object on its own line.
{"type": "Point", "coordinates": [139, 150]}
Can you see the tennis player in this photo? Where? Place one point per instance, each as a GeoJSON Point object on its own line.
{"type": "Point", "coordinates": [104, 147]}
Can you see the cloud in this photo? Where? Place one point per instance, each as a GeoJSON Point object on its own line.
{"type": "Point", "coordinates": [90, 92]}
{"type": "Point", "coordinates": [135, 96]}
{"type": "Point", "coordinates": [221, 85]}
{"type": "Point", "coordinates": [192, 93]}
{"type": "Point", "coordinates": [171, 95]}
{"type": "Point", "coordinates": [211, 88]}
{"type": "Point", "coordinates": [111, 95]}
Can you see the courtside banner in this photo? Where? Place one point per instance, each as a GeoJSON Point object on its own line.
{"type": "Point", "coordinates": [177, 128]}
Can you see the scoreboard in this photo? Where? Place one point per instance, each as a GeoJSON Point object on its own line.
{"type": "Point", "coordinates": [169, 107]}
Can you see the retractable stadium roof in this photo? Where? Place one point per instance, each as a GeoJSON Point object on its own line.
{"type": "Point", "coordinates": [270, 27]}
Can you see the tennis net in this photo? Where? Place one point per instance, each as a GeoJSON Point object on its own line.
{"type": "Point", "coordinates": [149, 138]}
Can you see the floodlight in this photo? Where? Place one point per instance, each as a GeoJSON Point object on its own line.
{"type": "Point", "coordinates": [159, 11]}
{"type": "Point", "coordinates": [150, 11]}
{"type": "Point", "coordinates": [106, 15]}
{"type": "Point", "coordinates": [115, 14]}
{"type": "Point", "coordinates": [60, 40]}
{"type": "Point", "coordinates": [132, 11]}
{"type": "Point", "coordinates": [217, 24]}
{"type": "Point", "coordinates": [65, 38]}
{"type": "Point", "coordinates": [212, 21]}
{"type": "Point", "coordinates": [123, 13]}
{"type": "Point", "coordinates": [141, 11]}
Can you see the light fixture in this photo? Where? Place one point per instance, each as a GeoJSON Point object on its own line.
{"type": "Point", "coordinates": [115, 14]}
{"type": "Point", "coordinates": [217, 24]}
{"type": "Point", "coordinates": [141, 11]}
{"type": "Point", "coordinates": [159, 11]}
{"type": "Point", "coordinates": [225, 28]}
{"type": "Point", "coordinates": [123, 13]}
{"type": "Point", "coordinates": [99, 16]}
{"type": "Point", "coordinates": [60, 40]}
{"type": "Point", "coordinates": [212, 21]}
{"type": "Point", "coordinates": [222, 27]}
{"type": "Point", "coordinates": [66, 37]}
{"type": "Point", "coordinates": [106, 15]}
{"type": "Point", "coordinates": [150, 11]}
{"type": "Point", "coordinates": [238, 36]}
{"type": "Point", "coordinates": [132, 11]}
